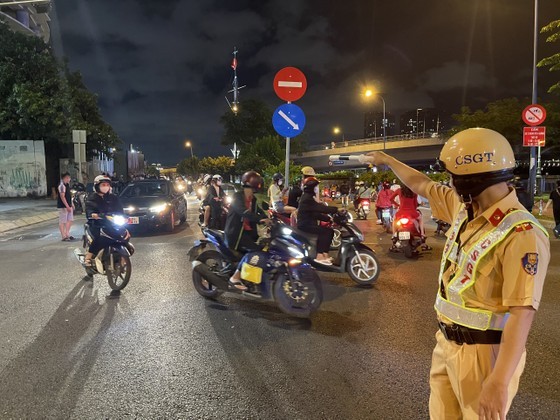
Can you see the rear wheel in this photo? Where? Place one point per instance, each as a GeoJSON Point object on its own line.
{"type": "Point", "coordinates": [407, 251]}
{"type": "Point", "coordinates": [119, 276]}
{"type": "Point", "coordinates": [363, 267]}
{"type": "Point", "coordinates": [300, 295]}
{"type": "Point", "coordinates": [215, 262]}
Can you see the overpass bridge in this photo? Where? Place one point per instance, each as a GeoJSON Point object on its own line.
{"type": "Point", "coordinates": [415, 151]}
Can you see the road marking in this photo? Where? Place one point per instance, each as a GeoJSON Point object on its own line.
{"type": "Point", "coordinates": [288, 120]}
{"type": "Point", "coordinates": [283, 83]}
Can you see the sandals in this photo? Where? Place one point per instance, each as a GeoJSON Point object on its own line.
{"type": "Point", "coordinates": [88, 263]}
{"type": "Point", "coordinates": [237, 284]}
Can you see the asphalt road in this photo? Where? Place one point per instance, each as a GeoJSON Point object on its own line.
{"type": "Point", "coordinates": [70, 350]}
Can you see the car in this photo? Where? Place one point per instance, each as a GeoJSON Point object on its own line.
{"type": "Point", "coordinates": [154, 204]}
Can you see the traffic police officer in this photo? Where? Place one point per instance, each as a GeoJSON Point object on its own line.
{"type": "Point", "coordinates": [491, 276]}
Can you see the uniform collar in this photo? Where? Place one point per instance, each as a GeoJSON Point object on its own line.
{"type": "Point", "coordinates": [495, 214]}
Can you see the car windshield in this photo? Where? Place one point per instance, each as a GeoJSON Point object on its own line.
{"type": "Point", "coordinates": [146, 189]}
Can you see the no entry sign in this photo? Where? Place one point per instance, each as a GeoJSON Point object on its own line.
{"type": "Point", "coordinates": [534, 115]}
{"type": "Point", "coordinates": [290, 84]}
{"type": "Point", "coordinates": [534, 136]}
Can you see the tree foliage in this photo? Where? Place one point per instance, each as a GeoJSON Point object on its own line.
{"type": "Point", "coordinates": [189, 167]}
{"type": "Point", "coordinates": [221, 165]}
{"type": "Point", "coordinates": [251, 122]}
{"type": "Point", "coordinates": [504, 116]}
{"type": "Point", "coordinates": [554, 60]}
{"type": "Point", "coordinates": [264, 152]}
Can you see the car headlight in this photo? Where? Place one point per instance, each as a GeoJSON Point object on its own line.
{"type": "Point", "coordinates": [129, 209]}
{"type": "Point", "coordinates": [119, 220]}
{"type": "Point", "coordinates": [294, 252]}
{"type": "Point", "coordinates": [159, 208]}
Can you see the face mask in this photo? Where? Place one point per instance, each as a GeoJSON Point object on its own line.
{"type": "Point", "coordinates": [104, 189]}
{"type": "Point", "coordinates": [280, 182]}
{"type": "Point", "coordinates": [316, 190]}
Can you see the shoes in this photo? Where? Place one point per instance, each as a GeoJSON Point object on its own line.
{"type": "Point", "coordinates": [71, 238]}
{"type": "Point", "coordinates": [378, 222]}
{"type": "Point", "coordinates": [236, 284]}
{"type": "Point", "coordinates": [324, 262]}
{"type": "Point", "coordinates": [65, 239]}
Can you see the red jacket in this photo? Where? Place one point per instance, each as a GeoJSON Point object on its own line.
{"type": "Point", "coordinates": [384, 198]}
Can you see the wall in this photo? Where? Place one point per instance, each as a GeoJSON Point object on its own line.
{"type": "Point", "coordinates": [22, 168]}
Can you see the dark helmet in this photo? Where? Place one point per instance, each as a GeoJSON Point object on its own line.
{"type": "Point", "coordinates": [310, 183]}
{"type": "Point", "coordinates": [252, 179]}
{"type": "Point", "coordinates": [386, 185]}
{"type": "Point", "coordinates": [99, 179]}
{"type": "Point", "coordinates": [277, 177]}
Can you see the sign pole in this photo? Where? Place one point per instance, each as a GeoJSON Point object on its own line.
{"type": "Point", "coordinates": [287, 168]}
{"type": "Point", "coordinates": [532, 161]}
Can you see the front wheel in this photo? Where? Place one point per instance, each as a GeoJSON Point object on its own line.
{"type": "Point", "coordinates": [170, 225]}
{"type": "Point", "coordinates": [119, 276]}
{"type": "Point", "coordinates": [299, 295]}
{"type": "Point", "coordinates": [363, 267]}
{"type": "Point", "coordinates": [216, 263]}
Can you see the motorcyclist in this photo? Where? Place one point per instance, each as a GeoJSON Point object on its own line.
{"type": "Point", "coordinates": [204, 183]}
{"type": "Point", "coordinates": [213, 203]}
{"type": "Point", "coordinates": [310, 212]}
{"type": "Point", "coordinates": [383, 201]}
{"type": "Point", "coordinates": [99, 203]}
{"type": "Point", "coordinates": [407, 204]}
{"type": "Point", "coordinates": [276, 195]}
{"type": "Point", "coordinates": [241, 224]}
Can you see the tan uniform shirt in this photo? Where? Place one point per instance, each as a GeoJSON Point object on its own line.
{"type": "Point", "coordinates": [508, 275]}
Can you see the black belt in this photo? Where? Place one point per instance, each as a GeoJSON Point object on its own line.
{"type": "Point", "coordinates": [464, 335]}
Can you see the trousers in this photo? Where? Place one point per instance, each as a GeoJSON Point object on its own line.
{"type": "Point", "coordinates": [324, 236]}
{"type": "Point", "coordinates": [457, 375]}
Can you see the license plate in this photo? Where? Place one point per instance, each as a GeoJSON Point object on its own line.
{"type": "Point", "coordinates": [386, 213]}
{"type": "Point", "coordinates": [404, 236]}
{"type": "Point", "coordinates": [133, 220]}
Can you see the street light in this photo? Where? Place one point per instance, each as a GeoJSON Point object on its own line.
{"type": "Point", "coordinates": [189, 145]}
{"type": "Point", "coordinates": [368, 93]}
{"type": "Point", "coordinates": [337, 130]}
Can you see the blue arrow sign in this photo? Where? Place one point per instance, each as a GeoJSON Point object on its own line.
{"type": "Point", "coordinates": [288, 120]}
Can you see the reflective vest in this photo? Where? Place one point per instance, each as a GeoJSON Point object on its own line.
{"type": "Point", "coordinates": [452, 305]}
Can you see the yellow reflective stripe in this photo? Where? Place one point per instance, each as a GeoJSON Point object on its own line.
{"type": "Point", "coordinates": [479, 319]}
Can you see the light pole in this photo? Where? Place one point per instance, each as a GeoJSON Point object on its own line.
{"type": "Point", "coordinates": [189, 145]}
{"type": "Point", "coordinates": [368, 94]}
{"type": "Point", "coordinates": [534, 164]}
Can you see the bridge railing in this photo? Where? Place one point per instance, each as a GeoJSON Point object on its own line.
{"type": "Point", "coordinates": [371, 140]}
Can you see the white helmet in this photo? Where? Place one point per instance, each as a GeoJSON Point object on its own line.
{"type": "Point", "coordinates": [100, 179]}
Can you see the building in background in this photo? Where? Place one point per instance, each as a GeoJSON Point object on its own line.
{"type": "Point", "coordinates": [373, 124]}
{"type": "Point", "coordinates": [22, 168]}
{"type": "Point", "coordinates": [422, 122]}
{"type": "Point", "coordinates": [27, 18]}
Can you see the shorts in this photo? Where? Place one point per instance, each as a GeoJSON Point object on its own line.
{"type": "Point", "coordinates": [278, 206]}
{"type": "Point", "coordinates": [65, 216]}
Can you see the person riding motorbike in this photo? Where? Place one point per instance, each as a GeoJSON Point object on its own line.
{"type": "Point", "coordinates": [276, 195]}
{"type": "Point", "coordinates": [407, 204]}
{"type": "Point", "coordinates": [203, 183]}
{"type": "Point", "coordinates": [383, 201]}
{"type": "Point", "coordinates": [241, 223]}
{"type": "Point", "coordinates": [99, 202]}
{"type": "Point", "coordinates": [213, 203]}
{"type": "Point", "coordinates": [310, 212]}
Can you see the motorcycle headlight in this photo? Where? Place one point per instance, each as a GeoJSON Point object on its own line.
{"type": "Point", "coordinates": [73, 191]}
{"type": "Point", "coordinates": [119, 220]}
{"type": "Point", "coordinates": [129, 209]}
{"type": "Point", "coordinates": [286, 231]}
{"type": "Point", "coordinates": [159, 208]}
{"type": "Point", "coordinates": [199, 191]}
{"type": "Point", "coordinates": [229, 199]}
{"type": "Point", "coordinates": [294, 252]}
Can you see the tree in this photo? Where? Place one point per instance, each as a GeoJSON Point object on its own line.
{"type": "Point", "coordinates": [248, 162]}
{"type": "Point", "coordinates": [554, 60]}
{"type": "Point", "coordinates": [221, 165]}
{"type": "Point", "coordinates": [152, 170]}
{"type": "Point", "coordinates": [251, 122]}
{"type": "Point", "coordinates": [189, 167]}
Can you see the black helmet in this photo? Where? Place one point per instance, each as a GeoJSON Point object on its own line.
{"type": "Point", "coordinates": [252, 179]}
{"type": "Point", "coordinates": [386, 185]}
{"type": "Point", "coordinates": [277, 177]}
{"type": "Point", "coordinates": [310, 183]}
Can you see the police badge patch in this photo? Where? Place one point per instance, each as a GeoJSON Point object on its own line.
{"type": "Point", "coordinates": [530, 262]}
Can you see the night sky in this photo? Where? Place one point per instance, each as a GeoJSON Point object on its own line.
{"type": "Point", "coordinates": [161, 68]}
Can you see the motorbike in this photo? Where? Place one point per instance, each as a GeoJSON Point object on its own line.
{"type": "Point", "coordinates": [223, 215]}
{"type": "Point", "coordinates": [387, 219]}
{"type": "Point", "coordinates": [441, 226]}
{"type": "Point", "coordinates": [362, 208]}
{"type": "Point", "coordinates": [114, 260]}
{"type": "Point", "coordinates": [407, 236]}
{"type": "Point", "coordinates": [353, 257]}
{"type": "Point", "coordinates": [288, 281]}
{"type": "Point", "coordinates": [79, 195]}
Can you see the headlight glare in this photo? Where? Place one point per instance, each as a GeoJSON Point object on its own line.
{"type": "Point", "coordinates": [159, 208]}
